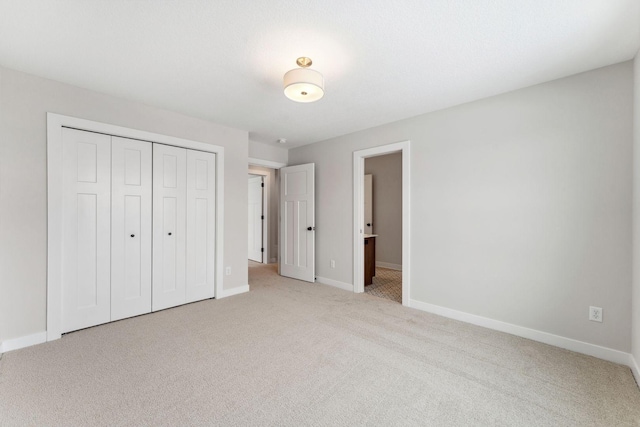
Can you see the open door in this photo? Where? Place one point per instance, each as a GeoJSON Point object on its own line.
{"type": "Point", "coordinates": [256, 219]}
{"type": "Point", "coordinates": [297, 223]}
{"type": "Point", "coordinates": [368, 204]}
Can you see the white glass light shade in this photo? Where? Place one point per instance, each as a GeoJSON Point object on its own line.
{"type": "Point", "coordinates": [303, 85]}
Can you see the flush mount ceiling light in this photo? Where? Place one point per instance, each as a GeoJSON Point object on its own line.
{"type": "Point", "coordinates": [303, 84]}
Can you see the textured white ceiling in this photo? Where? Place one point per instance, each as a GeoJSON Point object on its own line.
{"type": "Point", "coordinates": [223, 60]}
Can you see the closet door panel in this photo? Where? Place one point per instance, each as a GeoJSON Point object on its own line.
{"type": "Point", "coordinates": [130, 227]}
{"type": "Point", "coordinates": [169, 244]}
{"type": "Point", "coordinates": [201, 216]}
{"type": "Point", "coordinates": [134, 255]}
{"type": "Point", "coordinates": [169, 226]}
{"type": "Point", "coordinates": [86, 229]}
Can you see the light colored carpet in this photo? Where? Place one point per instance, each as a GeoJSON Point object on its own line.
{"type": "Point", "coordinates": [291, 353]}
{"type": "Point", "coordinates": [387, 284]}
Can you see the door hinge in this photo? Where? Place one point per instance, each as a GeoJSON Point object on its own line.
{"type": "Point", "coordinates": [261, 249]}
{"type": "Point", "coordinates": [262, 184]}
{"type": "Point", "coordinates": [262, 217]}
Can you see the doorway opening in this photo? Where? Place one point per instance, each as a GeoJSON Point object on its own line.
{"type": "Point", "coordinates": [269, 171]}
{"type": "Point", "coordinates": [382, 226]}
{"type": "Point", "coordinates": [393, 221]}
{"type": "Point", "coordinates": [269, 174]}
{"type": "Point", "coordinates": [258, 237]}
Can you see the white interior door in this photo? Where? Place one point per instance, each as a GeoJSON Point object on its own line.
{"type": "Point", "coordinates": [169, 226]}
{"type": "Point", "coordinates": [130, 227]}
{"type": "Point", "coordinates": [201, 221]}
{"type": "Point", "coordinates": [368, 204]}
{"type": "Point", "coordinates": [297, 231]}
{"type": "Point", "coordinates": [256, 218]}
{"type": "Point", "coordinates": [86, 233]}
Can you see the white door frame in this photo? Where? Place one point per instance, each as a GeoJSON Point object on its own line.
{"type": "Point", "coordinates": [358, 213]}
{"type": "Point", "coordinates": [265, 163]}
{"type": "Point", "coordinates": [55, 123]}
{"type": "Point", "coordinates": [265, 212]}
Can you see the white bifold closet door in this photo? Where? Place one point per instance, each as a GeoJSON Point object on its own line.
{"type": "Point", "coordinates": [130, 227]}
{"type": "Point", "coordinates": [169, 226]}
{"type": "Point", "coordinates": [86, 255]}
{"type": "Point", "coordinates": [183, 226]}
{"type": "Point", "coordinates": [201, 230]}
{"type": "Point", "coordinates": [138, 227]}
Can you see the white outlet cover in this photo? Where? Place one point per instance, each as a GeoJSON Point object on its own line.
{"type": "Point", "coordinates": [595, 314]}
{"type": "Point", "coordinates": [228, 271]}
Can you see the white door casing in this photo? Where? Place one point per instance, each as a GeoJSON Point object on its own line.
{"type": "Point", "coordinates": [169, 226]}
{"type": "Point", "coordinates": [255, 221]}
{"type": "Point", "coordinates": [201, 231]}
{"type": "Point", "coordinates": [368, 204]}
{"type": "Point", "coordinates": [86, 213]}
{"type": "Point", "coordinates": [297, 230]}
{"type": "Point", "coordinates": [130, 227]}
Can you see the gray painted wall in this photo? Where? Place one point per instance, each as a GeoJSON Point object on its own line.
{"type": "Point", "coordinates": [387, 205]}
{"type": "Point", "coordinates": [636, 213]}
{"type": "Point", "coordinates": [4, 289]}
{"type": "Point", "coordinates": [521, 205]}
{"type": "Point", "coordinates": [274, 197]}
{"type": "Point", "coordinates": [24, 102]}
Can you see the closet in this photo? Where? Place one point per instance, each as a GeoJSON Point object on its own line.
{"type": "Point", "coordinates": [138, 233]}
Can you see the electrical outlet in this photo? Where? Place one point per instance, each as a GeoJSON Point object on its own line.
{"type": "Point", "coordinates": [595, 314]}
{"type": "Point", "coordinates": [333, 263]}
{"type": "Point", "coordinates": [227, 271]}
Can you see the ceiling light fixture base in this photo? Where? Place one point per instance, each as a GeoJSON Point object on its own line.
{"type": "Point", "coordinates": [304, 62]}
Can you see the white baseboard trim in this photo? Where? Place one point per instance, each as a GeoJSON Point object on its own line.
{"type": "Point", "coordinates": [389, 265]}
{"type": "Point", "coordinates": [594, 350]}
{"type": "Point", "coordinates": [26, 341]}
{"type": "Point", "coordinates": [273, 260]}
{"type": "Point", "coordinates": [233, 291]}
{"type": "Point", "coordinates": [335, 283]}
